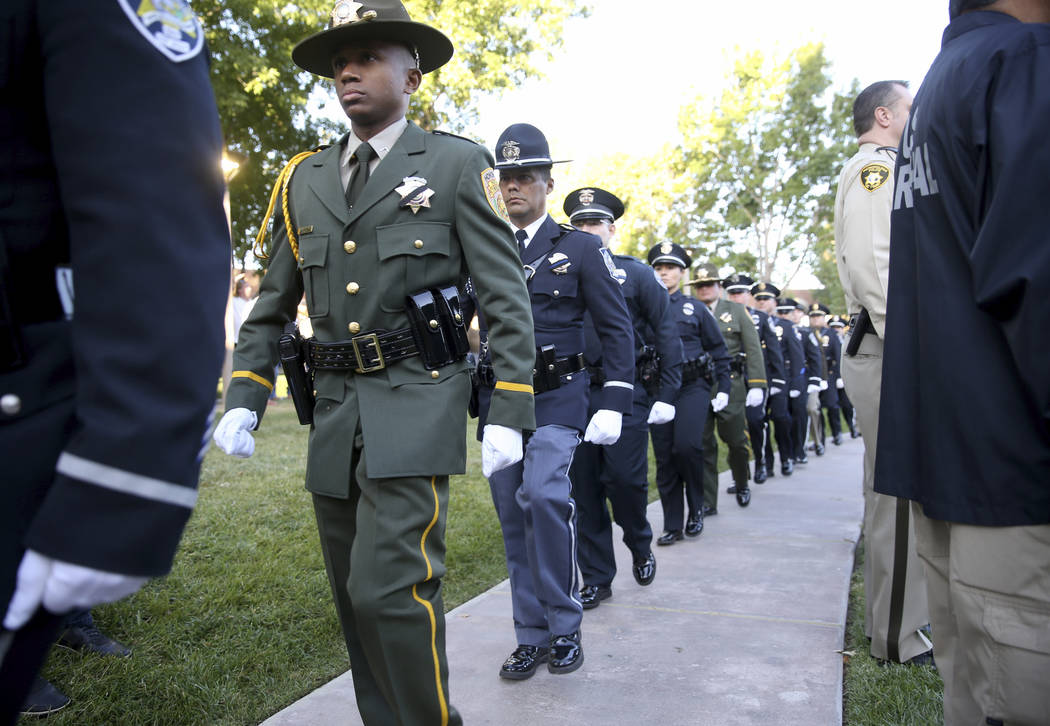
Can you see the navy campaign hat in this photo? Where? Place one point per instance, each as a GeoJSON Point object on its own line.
{"type": "Point", "coordinates": [521, 146]}
{"type": "Point", "coordinates": [705, 273]}
{"type": "Point", "coordinates": [592, 203]}
{"type": "Point", "coordinates": [837, 321]}
{"type": "Point", "coordinates": [819, 309]}
{"type": "Point", "coordinates": [372, 20]}
{"type": "Point", "coordinates": [786, 304]}
{"type": "Point", "coordinates": [762, 290]}
{"type": "Point", "coordinates": [671, 253]}
{"type": "Point", "coordinates": [737, 283]}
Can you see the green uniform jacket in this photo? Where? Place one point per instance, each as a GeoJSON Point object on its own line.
{"type": "Point", "coordinates": [356, 269]}
{"type": "Point", "coordinates": [739, 332]}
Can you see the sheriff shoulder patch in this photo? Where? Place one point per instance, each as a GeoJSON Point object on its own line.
{"type": "Point", "coordinates": [874, 176]}
{"type": "Point", "coordinates": [490, 182]}
{"type": "Point", "coordinates": [169, 25]}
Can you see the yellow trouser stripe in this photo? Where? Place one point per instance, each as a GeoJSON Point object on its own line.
{"type": "Point", "coordinates": [518, 387]}
{"type": "Point", "coordinates": [258, 379]}
{"type": "Point", "coordinates": [430, 608]}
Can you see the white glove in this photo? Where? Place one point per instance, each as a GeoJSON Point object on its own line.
{"type": "Point", "coordinates": [500, 447]}
{"type": "Point", "coordinates": [812, 388]}
{"type": "Point", "coordinates": [604, 428]}
{"type": "Point", "coordinates": [823, 385]}
{"type": "Point", "coordinates": [231, 435]}
{"type": "Point", "coordinates": [661, 413]}
{"type": "Point", "coordinates": [720, 401]}
{"type": "Point", "coordinates": [774, 390]}
{"type": "Point", "coordinates": [754, 397]}
{"type": "Point", "coordinates": [61, 587]}
{"type": "Point", "coordinates": [839, 383]}
{"type": "Point", "coordinates": [794, 394]}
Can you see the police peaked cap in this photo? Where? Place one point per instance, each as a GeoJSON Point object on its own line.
{"type": "Point", "coordinates": [705, 273]}
{"type": "Point", "coordinates": [819, 309]}
{"type": "Point", "coordinates": [670, 253]}
{"type": "Point", "coordinates": [592, 203]}
{"type": "Point", "coordinates": [786, 304]}
{"type": "Point", "coordinates": [737, 283]}
{"type": "Point", "coordinates": [387, 20]}
{"type": "Point", "coordinates": [837, 321]}
{"type": "Point", "coordinates": [762, 290]}
{"type": "Point", "coordinates": [522, 146]}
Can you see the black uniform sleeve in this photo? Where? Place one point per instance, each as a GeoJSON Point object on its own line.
{"type": "Point", "coordinates": [773, 354]}
{"type": "Point", "coordinates": [655, 305]}
{"type": "Point", "coordinates": [1010, 258]}
{"type": "Point", "coordinates": [713, 342]}
{"type": "Point", "coordinates": [136, 145]}
{"type": "Point", "coordinates": [814, 362]}
{"type": "Point", "coordinates": [834, 356]}
{"type": "Point", "coordinates": [793, 355]}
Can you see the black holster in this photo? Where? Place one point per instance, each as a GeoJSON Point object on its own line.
{"type": "Point", "coordinates": [862, 328]}
{"type": "Point", "coordinates": [292, 351]}
{"type": "Point", "coordinates": [648, 370]}
{"type": "Point", "coordinates": [739, 363]}
{"type": "Point", "coordinates": [438, 326]}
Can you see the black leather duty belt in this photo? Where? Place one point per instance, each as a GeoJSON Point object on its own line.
{"type": "Point", "coordinates": [365, 353]}
{"type": "Point", "coordinates": [550, 377]}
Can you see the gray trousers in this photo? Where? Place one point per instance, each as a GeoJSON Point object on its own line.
{"type": "Point", "coordinates": [894, 579]}
{"type": "Point", "coordinates": [537, 514]}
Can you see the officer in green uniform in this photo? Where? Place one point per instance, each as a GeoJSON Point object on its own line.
{"type": "Point", "coordinates": [388, 212]}
{"type": "Point", "coordinates": [748, 376]}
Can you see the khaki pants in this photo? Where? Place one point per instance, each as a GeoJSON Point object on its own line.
{"type": "Point", "coordinates": [813, 409]}
{"type": "Point", "coordinates": [990, 609]}
{"type": "Point", "coordinates": [894, 581]}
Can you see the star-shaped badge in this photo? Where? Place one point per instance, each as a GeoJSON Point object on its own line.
{"type": "Point", "coordinates": [415, 193]}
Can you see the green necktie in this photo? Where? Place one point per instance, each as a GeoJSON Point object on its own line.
{"type": "Point", "coordinates": [363, 155]}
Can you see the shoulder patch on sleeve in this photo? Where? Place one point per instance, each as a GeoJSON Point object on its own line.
{"type": "Point", "coordinates": [610, 265]}
{"type": "Point", "coordinates": [490, 183]}
{"type": "Point", "coordinates": [874, 175]}
{"type": "Point", "coordinates": [169, 25]}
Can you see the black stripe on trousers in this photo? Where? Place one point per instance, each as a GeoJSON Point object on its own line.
{"type": "Point", "coordinates": [900, 577]}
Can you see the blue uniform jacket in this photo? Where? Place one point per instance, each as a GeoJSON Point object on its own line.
{"type": "Point", "coordinates": [814, 369]}
{"type": "Point", "coordinates": [966, 367]}
{"type": "Point", "coordinates": [700, 333]}
{"type": "Point", "coordinates": [794, 357]}
{"type": "Point", "coordinates": [771, 348]}
{"type": "Point", "coordinates": [572, 277]}
{"type": "Point", "coordinates": [653, 322]}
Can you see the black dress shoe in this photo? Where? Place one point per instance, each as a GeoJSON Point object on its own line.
{"type": "Point", "coordinates": [837, 439]}
{"type": "Point", "coordinates": [644, 570]}
{"type": "Point", "coordinates": [820, 449]}
{"type": "Point", "coordinates": [43, 699]}
{"type": "Point", "coordinates": [743, 496]}
{"type": "Point", "coordinates": [854, 434]}
{"type": "Point", "coordinates": [566, 653]}
{"type": "Point", "coordinates": [710, 511]}
{"type": "Point", "coordinates": [523, 662]}
{"type": "Point", "coordinates": [669, 538]}
{"type": "Point", "coordinates": [591, 596]}
{"type": "Point", "coordinates": [731, 490]}
{"type": "Point", "coordinates": [802, 459]}
{"type": "Point", "coordinates": [760, 473]}
{"type": "Point", "coordinates": [91, 640]}
{"type": "Point", "coordinates": [787, 467]}
{"type": "Point", "coordinates": [694, 525]}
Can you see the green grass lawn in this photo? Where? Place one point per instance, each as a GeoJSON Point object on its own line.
{"type": "Point", "coordinates": [244, 624]}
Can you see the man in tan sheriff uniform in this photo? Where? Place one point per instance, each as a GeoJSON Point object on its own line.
{"type": "Point", "coordinates": [894, 581]}
{"type": "Point", "coordinates": [387, 212]}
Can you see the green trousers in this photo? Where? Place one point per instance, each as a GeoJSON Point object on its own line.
{"type": "Point", "coordinates": [384, 549]}
{"type": "Point", "coordinates": [732, 428]}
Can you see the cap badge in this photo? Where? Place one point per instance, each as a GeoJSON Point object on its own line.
{"type": "Point", "coordinates": [761, 286]}
{"type": "Point", "coordinates": [666, 248]}
{"type": "Point", "coordinates": [511, 151]}
{"type": "Point", "coordinates": [345, 11]}
{"type": "Point", "coordinates": [587, 196]}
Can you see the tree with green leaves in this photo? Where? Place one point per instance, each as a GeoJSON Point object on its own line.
{"type": "Point", "coordinates": [757, 169]}
{"type": "Point", "coordinates": [270, 109]}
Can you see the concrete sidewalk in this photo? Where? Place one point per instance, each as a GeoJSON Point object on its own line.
{"type": "Point", "coordinates": [742, 625]}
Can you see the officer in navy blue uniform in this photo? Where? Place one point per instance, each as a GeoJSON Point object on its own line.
{"type": "Point", "coordinates": [569, 275]}
{"type": "Point", "coordinates": [838, 324]}
{"type": "Point", "coordinates": [111, 141]}
{"type": "Point", "coordinates": [831, 349]}
{"type": "Point", "coordinates": [964, 420]}
{"type": "Point", "coordinates": [805, 383]}
{"type": "Point", "coordinates": [738, 289]}
{"type": "Point", "coordinates": [620, 472]}
{"type": "Point", "coordinates": [779, 414]}
{"type": "Point", "coordinates": [679, 445]}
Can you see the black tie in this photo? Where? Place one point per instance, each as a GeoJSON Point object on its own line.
{"type": "Point", "coordinates": [362, 156]}
{"type": "Point", "coordinates": [521, 235]}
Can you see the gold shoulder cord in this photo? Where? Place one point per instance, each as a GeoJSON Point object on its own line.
{"type": "Point", "coordinates": [281, 187]}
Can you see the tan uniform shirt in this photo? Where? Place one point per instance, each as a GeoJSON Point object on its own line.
{"type": "Point", "coordinates": [862, 230]}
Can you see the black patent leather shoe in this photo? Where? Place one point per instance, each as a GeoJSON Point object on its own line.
{"type": "Point", "coordinates": [566, 653]}
{"type": "Point", "coordinates": [787, 467]}
{"type": "Point", "coordinates": [694, 525]}
{"type": "Point", "coordinates": [837, 439]}
{"type": "Point", "coordinates": [591, 596]}
{"type": "Point", "coordinates": [523, 662]}
{"type": "Point", "coordinates": [644, 570]}
{"type": "Point", "coordinates": [802, 459]}
{"type": "Point", "coordinates": [669, 538]}
{"type": "Point", "coordinates": [710, 511]}
{"type": "Point", "coordinates": [731, 490]}
{"type": "Point", "coordinates": [760, 473]}
{"type": "Point", "coordinates": [820, 449]}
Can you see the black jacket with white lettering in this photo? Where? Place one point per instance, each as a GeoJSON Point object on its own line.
{"type": "Point", "coordinates": [965, 415]}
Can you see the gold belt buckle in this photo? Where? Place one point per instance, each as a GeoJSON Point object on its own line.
{"type": "Point", "coordinates": [372, 339]}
